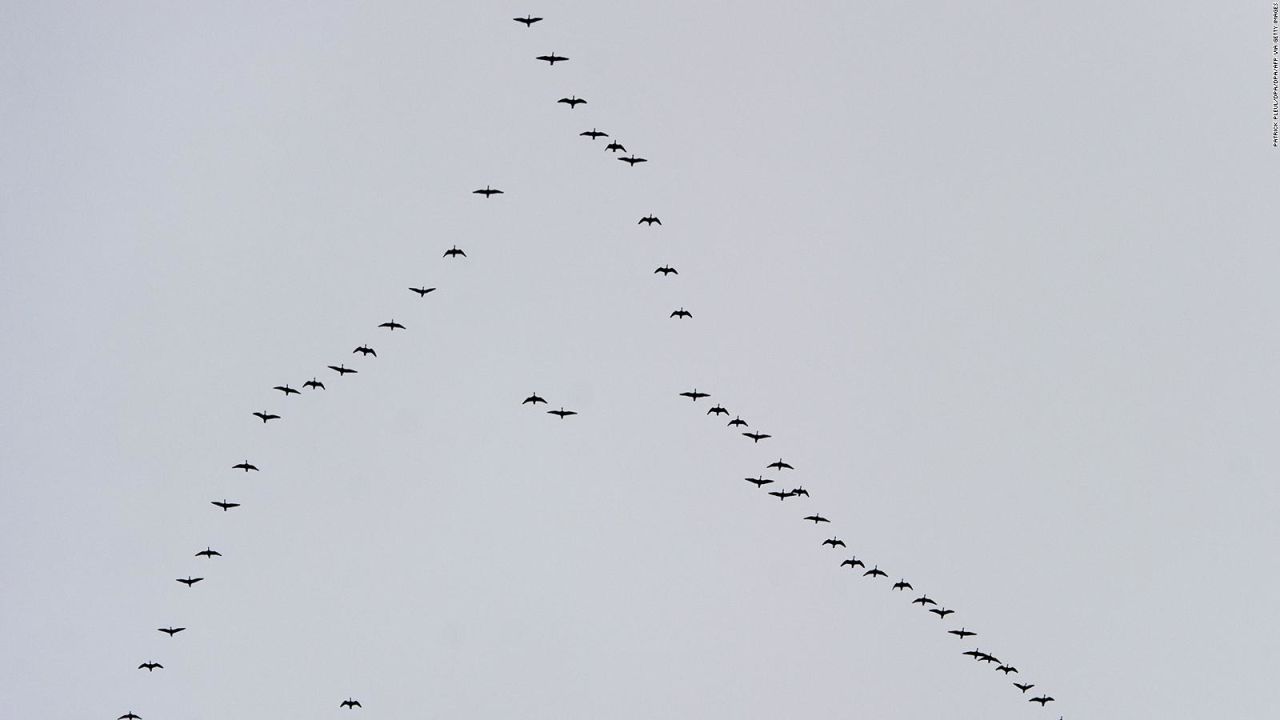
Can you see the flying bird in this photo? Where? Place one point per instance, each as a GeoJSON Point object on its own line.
{"type": "Point", "coordinates": [150, 666]}
{"type": "Point", "coordinates": [209, 553]}
{"type": "Point", "coordinates": [341, 370]}
{"type": "Point", "coordinates": [737, 421]}
{"type": "Point", "coordinates": [666, 270]}
{"type": "Point", "coordinates": [1006, 669]}
{"type": "Point", "coordinates": [562, 413]}
{"type": "Point", "coordinates": [852, 563]}
{"type": "Point", "coordinates": [364, 350]}
{"type": "Point", "coordinates": [780, 465]}
{"type": "Point", "coordinates": [533, 399]}
{"type": "Point", "coordinates": [782, 495]}
{"type": "Point", "coordinates": [286, 390]}
{"type": "Point", "coordinates": [800, 491]}
{"type": "Point", "coordinates": [681, 313]}
{"type": "Point", "coordinates": [225, 505]}
{"type": "Point", "coordinates": [350, 704]}
{"type": "Point", "coordinates": [391, 325]}
{"type": "Point", "coordinates": [528, 21]}
{"type": "Point", "coordinates": [924, 600]}
{"type": "Point", "coordinates": [189, 581]}
{"type": "Point", "coordinates": [266, 416]}
{"type": "Point", "coordinates": [942, 613]}
{"type": "Point", "coordinates": [572, 101]}
{"type": "Point", "coordinates": [817, 519]}
{"type": "Point", "coordinates": [718, 410]}
{"type": "Point", "coordinates": [1042, 700]}
{"type": "Point", "coordinates": [962, 633]}
{"type": "Point", "coordinates": [129, 716]}
{"type": "Point", "coordinates": [171, 631]}
{"type": "Point", "coordinates": [1024, 687]}
{"type": "Point", "coordinates": [874, 572]}
{"type": "Point", "coordinates": [988, 658]}
{"type": "Point", "coordinates": [902, 585]}
{"type": "Point", "coordinates": [834, 542]}
{"type": "Point", "coordinates": [552, 59]}
{"type": "Point", "coordinates": [245, 466]}
{"type": "Point", "coordinates": [313, 383]}
{"type": "Point", "coordinates": [422, 291]}
{"type": "Point", "coordinates": [759, 482]}
{"type": "Point", "coordinates": [755, 436]}
{"type": "Point", "coordinates": [694, 394]}
{"type": "Point", "coordinates": [650, 220]}
{"type": "Point", "coordinates": [614, 147]}
{"type": "Point", "coordinates": [632, 160]}
{"type": "Point", "coordinates": [487, 192]}
{"type": "Point", "coordinates": [454, 252]}
{"type": "Point", "coordinates": [974, 653]}
{"type": "Point", "coordinates": [593, 134]}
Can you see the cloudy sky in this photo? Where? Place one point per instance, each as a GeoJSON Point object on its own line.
{"type": "Point", "coordinates": [999, 279]}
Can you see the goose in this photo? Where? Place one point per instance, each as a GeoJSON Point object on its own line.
{"type": "Point", "coordinates": [562, 413]}
{"type": "Point", "coordinates": [759, 482]}
{"type": "Point", "coordinates": [737, 421]}
{"type": "Point", "coordinates": [924, 600]}
{"type": "Point", "coordinates": [1024, 687]}
{"type": "Point", "coordinates": [487, 192]}
{"type": "Point", "coordinates": [1042, 700]}
{"type": "Point", "coordinates": [614, 147]}
{"type": "Point", "coordinates": [666, 270]}
{"type": "Point", "coordinates": [962, 633]}
{"type": "Point", "coordinates": [681, 313]}
{"type": "Point", "coordinates": [171, 631]}
{"type": "Point", "coordinates": [209, 553]}
{"type": "Point", "coordinates": [189, 581]}
{"type": "Point", "coordinates": [755, 436]}
{"type": "Point", "coordinates": [694, 394]}
{"type": "Point", "coordinates": [632, 160]}
{"type": "Point", "coordinates": [350, 704]}
{"type": "Point", "coordinates": [364, 350]}
{"type": "Point", "coordinates": [875, 571]}
{"type": "Point", "coordinates": [593, 134]}
{"type": "Point", "coordinates": [902, 585]}
{"type": "Point", "coordinates": [286, 390]}
{"type": "Point", "coordinates": [572, 101]}
{"type": "Point", "coordinates": [942, 613]}
{"type": "Point", "coordinates": [150, 666]}
{"type": "Point", "coordinates": [534, 399]}
{"type": "Point", "coordinates": [650, 220]}
{"type": "Point", "coordinates": [314, 383]}
{"type": "Point", "coordinates": [342, 369]}
{"type": "Point", "coordinates": [718, 410]}
{"type": "Point", "coordinates": [817, 519]}
{"type": "Point", "coordinates": [528, 21]}
{"type": "Point", "coordinates": [224, 504]}
{"type": "Point", "coordinates": [245, 466]}
{"type": "Point", "coordinates": [1006, 669]}
{"type": "Point", "coordinates": [422, 291]}
{"type": "Point", "coordinates": [782, 495]}
{"type": "Point", "coordinates": [392, 325]}
{"type": "Point", "coordinates": [834, 542]}
{"type": "Point", "coordinates": [800, 491]}
{"type": "Point", "coordinates": [780, 465]}
{"type": "Point", "coordinates": [129, 716]}
{"type": "Point", "coordinates": [853, 562]}
{"type": "Point", "coordinates": [454, 252]}
{"type": "Point", "coordinates": [266, 416]}
{"type": "Point", "coordinates": [552, 59]}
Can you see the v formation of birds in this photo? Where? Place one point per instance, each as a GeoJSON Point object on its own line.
{"type": "Point", "coordinates": [779, 468]}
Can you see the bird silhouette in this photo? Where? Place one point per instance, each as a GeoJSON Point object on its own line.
{"type": "Point", "coordinates": [782, 495]}
{"type": "Point", "coordinates": [266, 416]}
{"type": "Point", "coordinates": [245, 466]}
{"type": "Point", "coordinates": [487, 192]}
{"type": "Point", "coordinates": [534, 399]}
{"type": "Point", "coordinates": [942, 613]}
{"type": "Point", "coordinates": [314, 383]}
{"type": "Point", "coordinates": [572, 101]}
{"type": "Point", "coordinates": [342, 369]}
{"type": "Point", "coordinates": [562, 413]}
{"type": "Point", "coordinates": [681, 313]}
{"type": "Point", "coordinates": [422, 291]}
{"type": "Point", "coordinates": [755, 436]}
{"type": "Point", "coordinates": [632, 160]}
{"type": "Point", "coordinates": [552, 59]}
{"type": "Point", "coordinates": [350, 704]}
{"type": "Point", "coordinates": [528, 21]}
{"type": "Point", "coordinates": [1024, 687]}
{"type": "Point", "coordinates": [800, 491]}
{"type": "Point", "coordinates": [666, 270]}
{"type": "Point", "coordinates": [1006, 669]}
{"type": "Point", "coordinates": [286, 390]}
{"type": "Point", "coordinates": [209, 553]}
{"type": "Point", "coordinates": [171, 631]}
{"type": "Point", "coordinates": [902, 585]}
{"type": "Point", "coordinates": [875, 571]}
{"type": "Point", "coordinates": [817, 519]}
{"type": "Point", "coordinates": [650, 220]}
{"type": "Point", "coordinates": [392, 325]}
{"type": "Point", "coordinates": [737, 421]}
{"type": "Point", "coordinates": [224, 504]}
{"type": "Point", "coordinates": [924, 600]}
{"type": "Point", "coordinates": [974, 653]}
{"type": "Point", "coordinates": [593, 134]}
{"type": "Point", "coordinates": [454, 252]}
{"type": "Point", "coordinates": [718, 410]}
{"type": "Point", "coordinates": [364, 350]}
{"type": "Point", "coordinates": [834, 542]}
{"type": "Point", "coordinates": [961, 633]}
{"type": "Point", "coordinates": [780, 465]}
{"type": "Point", "coordinates": [189, 581]}
{"type": "Point", "coordinates": [988, 658]}
{"type": "Point", "coordinates": [853, 562]}
{"type": "Point", "coordinates": [614, 147]}
{"type": "Point", "coordinates": [1042, 700]}
{"type": "Point", "coordinates": [694, 394]}
{"type": "Point", "coordinates": [150, 666]}
{"type": "Point", "coordinates": [760, 481]}
{"type": "Point", "coordinates": [129, 716]}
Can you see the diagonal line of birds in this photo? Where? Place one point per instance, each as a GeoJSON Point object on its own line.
{"type": "Point", "coordinates": [777, 468]}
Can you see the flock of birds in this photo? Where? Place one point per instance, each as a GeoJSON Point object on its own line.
{"type": "Point", "coordinates": [760, 481]}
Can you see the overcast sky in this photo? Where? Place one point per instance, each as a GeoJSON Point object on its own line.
{"type": "Point", "coordinates": [998, 278]}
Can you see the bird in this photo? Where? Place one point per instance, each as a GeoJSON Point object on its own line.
{"type": "Point", "coordinates": [286, 390]}
{"type": "Point", "coordinates": [552, 59]}
{"type": "Point", "coordinates": [209, 553]}
{"type": "Point", "coordinates": [593, 134]}
{"type": "Point", "coordinates": [528, 21]}
{"type": "Point", "coordinates": [632, 160]}
{"type": "Point", "coordinates": [562, 413]}
{"type": "Point", "coordinates": [364, 350]}
{"type": "Point", "coordinates": [615, 147]}
{"type": "Point", "coordinates": [902, 585]}
{"type": "Point", "coordinates": [1024, 687]}
{"type": "Point", "coordinates": [681, 313]}
{"type": "Point", "coordinates": [974, 653]}
{"type": "Point", "coordinates": [942, 613]}
{"type": "Point", "coordinates": [817, 519]}
{"type": "Point", "coordinates": [454, 252]}
{"type": "Point", "coordinates": [392, 325]}
{"type": "Point", "coordinates": [422, 291]}
{"type": "Point", "coordinates": [781, 495]}
{"type": "Point", "coordinates": [487, 192]}
{"type": "Point", "coordinates": [1006, 669]}
{"type": "Point", "coordinates": [834, 542]}
{"type": "Point", "coordinates": [171, 631]}
{"type": "Point", "coordinates": [150, 666]}
{"type": "Point", "coordinates": [350, 704]}
{"type": "Point", "coordinates": [189, 581]}
{"type": "Point", "coordinates": [342, 369]}
{"type": "Point", "coordinates": [853, 562]}
{"type": "Point", "coordinates": [1042, 699]}
{"type": "Point", "coordinates": [129, 716]}
{"type": "Point", "coordinates": [718, 410]}
{"type": "Point", "coordinates": [245, 466]}
{"type": "Point", "coordinates": [224, 504]}
{"type": "Point", "coordinates": [780, 465]}
{"type": "Point", "coordinates": [650, 219]}
{"type": "Point", "coordinates": [875, 571]}
{"type": "Point", "coordinates": [666, 270]}
{"type": "Point", "coordinates": [314, 383]}
{"type": "Point", "coordinates": [572, 101]}
{"type": "Point", "coordinates": [266, 416]}
{"type": "Point", "coordinates": [988, 658]}
{"type": "Point", "coordinates": [737, 421]}
{"type": "Point", "coordinates": [924, 600]}
{"type": "Point", "coordinates": [694, 394]}
{"type": "Point", "coordinates": [800, 491]}
{"type": "Point", "coordinates": [757, 437]}
{"type": "Point", "coordinates": [962, 633]}
{"type": "Point", "coordinates": [534, 399]}
{"type": "Point", "coordinates": [759, 482]}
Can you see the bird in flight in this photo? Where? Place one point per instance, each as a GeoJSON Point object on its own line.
{"type": "Point", "coordinates": [189, 581]}
{"type": "Point", "coordinates": [1042, 699]}
{"type": "Point", "coordinates": [800, 491]}
{"type": "Point", "coordinates": [528, 21]}
{"type": "Point", "coordinates": [924, 600]}
{"type": "Point", "coordinates": [834, 542]}
{"type": "Point", "coordinates": [718, 410]}
{"type": "Point", "coordinates": [781, 495]}
{"type": "Point", "coordinates": [632, 160]}
{"type": "Point", "coordinates": [171, 631]}
{"type": "Point", "coordinates": [942, 613]}
{"type": "Point", "coordinates": [533, 399]}
{"type": "Point", "coordinates": [572, 101]}
{"type": "Point", "coordinates": [874, 572]}
{"type": "Point", "coordinates": [759, 482]}
{"type": "Point", "coordinates": [341, 370]}
{"type": "Point", "coordinates": [1006, 669]}
{"type": "Point", "coordinates": [422, 291]}
{"type": "Point", "coordinates": [552, 59]}
{"type": "Point", "coordinates": [364, 350]}
{"type": "Point", "coordinates": [780, 465]}
{"type": "Point", "coordinates": [962, 633]}
{"type": "Point", "coordinates": [350, 704]}
{"type": "Point", "coordinates": [666, 270]}
{"type": "Point", "coordinates": [593, 134]}
{"type": "Point", "coordinates": [487, 192]}
{"type": "Point", "coordinates": [245, 466]}
{"type": "Point", "coordinates": [852, 563]}
{"type": "Point", "coordinates": [737, 421]}
{"type": "Point", "coordinates": [286, 390]}
{"type": "Point", "coordinates": [902, 585]}
{"type": "Point", "coordinates": [453, 252]}
{"type": "Point", "coordinates": [562, 413]}
{"type": "Point", "coordinates": [150, 666]}
{"type": "Point", "coordinates": [209, 553]}
{"type": "Point", "coordinates": [392, 325]}
{"type": "Point", "coordinates": [129, 716]}
{"type": "Point", "coordinates": [694, 394]}
{"type": "Point", "coordinates": [681, 313]}
{"type": "Point", "coordinates": [817, 519]}
{"type": "Point", "coordinates": [1024, 687]}
{"type": "Point", "coordinates": [757, 437]}
{"type": "Point", "coordinates": [314, 383]}
{"type": "Point", "coordinates": [266, 416]}
{"type": "Point", "coordinates": [225, 505]}
{"type": "Point", "coordinates": [649, 220]}
{"type": "Point", "coordinates": [615, 147]}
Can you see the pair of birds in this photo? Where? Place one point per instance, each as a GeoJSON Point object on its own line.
{"type": "Point", "coordinates": [534, 399]}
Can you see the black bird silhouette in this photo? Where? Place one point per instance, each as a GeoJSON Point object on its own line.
{"type": "Point", "coordinates": [759, 482]}
{"type": "Point", "coordinates": [781, 495]}
{"type": "Point", "coordinates": [650, 219]}
{"type": "Point", "coordinates": [364, 350]}
{"type": "Point", "coordinates": [632, 160]}
{"type": "Point", "coordinates": [834, 542]}
{"type": "Point", "coordinates": [528, 21]}
{"type": "Point", "coordinates": [817, 519]}
{"type": "Point", "coordinates": [614, 147]}
{"type": "Point", "coordinates": [924, 600]}
{"type": "Point", "coordinates": [225, 505]}
{"type": "Point", "coordinates": [487, 192]}
{"type": "Point", "coordinates": [961, 633]}
{"type": "Point", "coordinates": [150, 666]}
{"type": "Point", "coordinates": [391, 325]}
{"type": "Point", "coordinates": [755, 436]}
{"type": "Point", "coordinates": [245, 466]}
{"type": "Point", "coordinates": [681, 313]}
{"type": "Point", "coordinates": [1024, 687]}
{"type": "Point", "coordinates": [562, 413]}
{"type": "Point", "coordinates": [694, 394]}
{"type": "Point", "coordinates": [902, 585]}
{"type": "Point", "coordinates": [988, 658]}
{"type": "Point", "coordinates": [800, 491]}
{"type": "Point", "coordinates": [1006, 669]}
{"type": "Point", "coordinates": [286, 390]}
{"type": "Point", "coordinates": [780, 465]}
{"type": "Point", "coordinates": [874, 572]}
{"type": "Point", "coordinates": [454, 252]}
{"type": "Point", "coordinates": [129, 716]}
{"type": "Point", "coordinates": [593, 134]}
{"type": "Point", "coordinates": [852, 563]}
{"type": "Point", "coordinates": [552, 59]}
{"type": "Point", "coordinates": [422, 291]}
{"type": "Point", "coordinates": [1042, 700]}
{"type": "Point", "coordinates": [171, 631]}
{"type": "Point", "coordinates": [266, 416]}
{"type": "Point", "coordinates": [572, 101]}
{"type": "Point", "coordinates": [737, 421]}
{"type": "Point", "coordinates": [942, 613]}
{"type": "Point", "coordinates": [209, 553]}
{"type": "Point", "coordinates": [534, 399]}
{"type": "Point", "coordinates": [666, 270]}
{"type": "Point", "coordinates": [342, 369]}
{"type": "Point", "coordinates": [718, 410]}
{"type": "Point", "coordinates": [974, 653]}
{"type": "Point", "coordinates": [314, 383]}
{"type": "Point", "coordinates": [350, 704]}
{"type": "Point", "coordinates": [189, 581]}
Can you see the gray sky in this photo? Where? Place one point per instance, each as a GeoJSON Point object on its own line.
{"type": "Point", "coordinates": [999, 280]}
